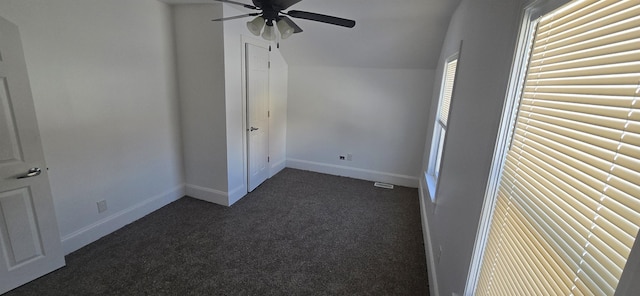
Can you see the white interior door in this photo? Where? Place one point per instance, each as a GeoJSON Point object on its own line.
{"type": "Point", "coordinates": [257, 72]}
{"type": "Point", "coordinates": [29, 238]}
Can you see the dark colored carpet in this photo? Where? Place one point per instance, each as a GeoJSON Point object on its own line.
{"type": "Point", "coordinates": [299, 233]}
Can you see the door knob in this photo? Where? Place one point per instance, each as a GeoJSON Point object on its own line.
{"type": "Point", "coordinates": [254, 128]}
{"type": "Point", "coordinates": [32, 172]}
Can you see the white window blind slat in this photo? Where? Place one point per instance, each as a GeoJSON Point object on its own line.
{"type": "Point", "coordinates": [521, 267]}
{"type": "Point", "coordinates": [542, 194]}
{"type": "Point", "coordinates": [601, 90]}
{"type": "Point", "coordinates": [547, 64]}
{"type": "Point", "coordinates": [618, 258]}
{"type": "Point", "coordinates": [629, 150]}
{"type": "Point", "coordinates": [547, 223]}
{"type": "Point", "coordinates": [585, 206]}
{"type": "Point", "coordinates": [559, 240]}
{"type": "Point", "coordinates": [598, 166]}
{"type": "Point", "coordinates": [570, 54]}
{"type": "Point", "coordinates": [606, 24]}
{"type": "Point", "coordinates": [630, 203]}
{"type": "Point", "coordinates": [561, 170]}
{"type": "Point", "coordinates": [571, 12]}
{"type": "Point", "coordinates": [615, 232]}
{"type": "Point", "coordinates": [604, 278]}
{"type": "Point", "coordinates": [604, 116]}
{"type": "Point", "coordinates": [536, 266]}
{"type": "Point", "coordinates": [589, 133]}
{"type": "Point", "coordinates": [596, 285]}
{"type": "Point", "coordinates": [631, 137]}
{"type": "Point", "coordinates": [609, 119]}
{"type": "Point", "coordinates": [628, 79]}
{"type": "Point", "coordinates": [606, 238]}
{"type": "Point", "coordinates": [626, 174]}
{"type": "Point", "coordinates": [612, 101]}
{"type": "Point", "coordinates": [620, 216]}
{"type": "Point", "coordinates": [581, 289]}
{"type": "Point", "coordinates": [546, 277]}
{"type": "Point", "coordinates": [620, 68]}
{"type": "Point", "coordinates": [602, 259]}
{"type": "Point", "coordinates": [516, 269]}
{"type": "Point", "coordinates": [557, 186]}
{"type": "Point", "coordinates": [450, 74]}
{"type": "Point", "coordinates": [580, 146]}
{"type": "Point", "coordinates": [564, 270]}
{"type": "Point", "coordinates": [576, 45]}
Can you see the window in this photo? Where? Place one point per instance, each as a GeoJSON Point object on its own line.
{"type": "Point", "coordinates": [566, 204]}
{"type": "Point", "coordinates": [440, 129]}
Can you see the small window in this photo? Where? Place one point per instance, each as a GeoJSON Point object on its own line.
{"type": "Point", "coordinates": [440, 127]}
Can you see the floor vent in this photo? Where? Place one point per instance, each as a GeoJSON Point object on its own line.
{"type": "Point", "coordinates": [383, 185]}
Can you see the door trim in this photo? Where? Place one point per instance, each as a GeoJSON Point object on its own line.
{"type": "Point", "coordinates": [245, 143]}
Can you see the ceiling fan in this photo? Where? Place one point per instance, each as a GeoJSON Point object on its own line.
{"type": "Point", "coordinates": [271, 11]}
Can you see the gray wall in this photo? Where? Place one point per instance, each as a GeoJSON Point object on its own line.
{"type": "Point", "coordinates": [233, 49]}
{"type": "Point", "coordinates": [200, 64]}
{"type": "Point", "coordinates": [378, 115]}
{"type": "Point", "coordinates": [104, 87]}
{"type": "Point", "coordinates": [278, 102]}
{"type": "Point", "coordinates": [488, 29]}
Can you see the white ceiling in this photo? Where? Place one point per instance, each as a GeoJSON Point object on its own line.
{"type": "Point", "coordinates": [388, 33]}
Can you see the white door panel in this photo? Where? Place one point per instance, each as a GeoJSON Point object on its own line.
{"type": "Point", "coordinates": [257, 69]}
{"type": "Point", "coordinates": [20, 236]}
{"type": "Point", "coordinates": [29, 238]}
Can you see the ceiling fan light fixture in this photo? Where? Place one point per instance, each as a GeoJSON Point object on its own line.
{"type": "Point", "coordinates": [255, 26]}
{"type": "Point", "coordinates": [269, 32]}
{"type": "Point", "coordinates": [285, 29]}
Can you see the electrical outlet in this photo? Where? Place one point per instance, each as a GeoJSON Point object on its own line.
{"type": "Point", "coordinates": [102, 206]}
{"type": "Point", "coordinates": [341, 157]}
{"type": "Point", "coordinates": [349, 157]}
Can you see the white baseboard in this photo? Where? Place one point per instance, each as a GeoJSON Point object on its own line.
{"type": "Point", "coordinates": [236, 194]}
{"type": "Point", "coordinates": [208, 194]}
{"type": "Point", "coordinates": [277, 167]}
{"type": "Point", "coordinates": [369, 175]}
{"type": "Point", "coordinates": [428, 247]}
{"type": "Point", "coordinates": [107, 225]}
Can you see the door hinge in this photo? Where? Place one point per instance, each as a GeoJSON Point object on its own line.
{"type": "Point", "coordinates": [269, 47]}
{"type": "Point", "coordinates": [268, 159]}
{"type": "Point", "coordinates": [269, 64]}
{"type": "Point", "coordinates": [268, 114]}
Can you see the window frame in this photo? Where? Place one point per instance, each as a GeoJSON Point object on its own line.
{"type": "Point", "coordinates": [438, 140]}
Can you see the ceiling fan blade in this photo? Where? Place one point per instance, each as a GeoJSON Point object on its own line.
{"type": "Point", "coordinates": [296, 28]}
{"type": "Point", "coordinates": [322, 18]}
{"type": "Point", "coordinates": [238, 3]}
{"type": "Point", "coordinates": [283, 4]}
{"type": "Point", "coordinates": [236, 17]}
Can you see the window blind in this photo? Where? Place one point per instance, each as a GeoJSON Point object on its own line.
{"type": "Point", "coordinates": [447, 91]}
{"type": "Point", "coordinates": [567, 208]}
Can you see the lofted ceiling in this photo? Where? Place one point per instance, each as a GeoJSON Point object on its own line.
{"type": "Point", "coordinates": [388, 33]}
